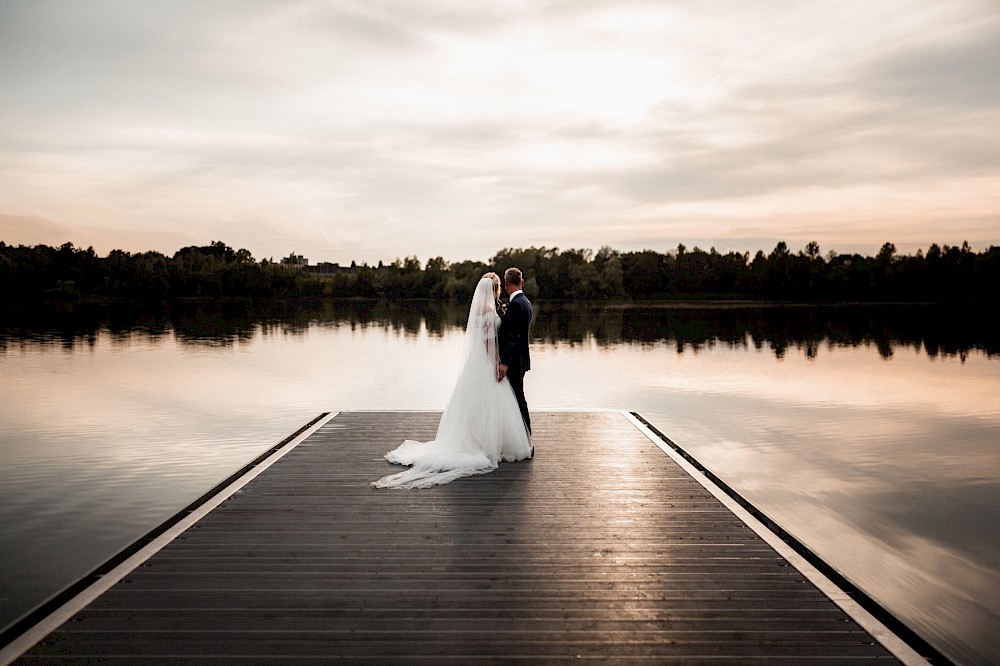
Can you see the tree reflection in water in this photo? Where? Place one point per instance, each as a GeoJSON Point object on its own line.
{"type": "Point", "coordinates": [932, 329]}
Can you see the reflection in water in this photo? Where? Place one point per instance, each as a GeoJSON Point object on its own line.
{"type": "Point", "coordinates": [932, 329]}
{"type": "Point", "coordinates": [937, 330]}
{"type": "Point", "coordinates": [220, 323]}
{"type": "Point", "coordinates": [870, 432]}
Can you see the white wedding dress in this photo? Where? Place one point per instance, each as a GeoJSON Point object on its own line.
{"type": "Point", "coordinates": [481, 424]}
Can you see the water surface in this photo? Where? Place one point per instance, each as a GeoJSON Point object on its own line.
{"type": "Point", "coordinates": [870, 433]}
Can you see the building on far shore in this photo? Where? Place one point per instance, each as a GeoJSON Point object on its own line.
{"type": "Point", "coordinates": [295, 262]}
{"type": "Point", "coordinates": [326, 269]}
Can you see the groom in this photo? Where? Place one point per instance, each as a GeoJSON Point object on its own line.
{"type": "Point", "coordinates": [514, 357]}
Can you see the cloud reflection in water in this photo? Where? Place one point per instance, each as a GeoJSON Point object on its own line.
{"type": "Point", "coordinates": [870, 432]}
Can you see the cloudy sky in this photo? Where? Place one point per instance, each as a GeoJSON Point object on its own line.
{"type": "Point", "coordinates": [376, 129]}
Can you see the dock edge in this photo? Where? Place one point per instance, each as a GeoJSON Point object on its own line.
{"type": "Point", "coordinates": [904, 643]}
{"type": "Point", "coordinates": [24, 633]}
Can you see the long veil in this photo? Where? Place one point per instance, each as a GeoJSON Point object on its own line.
{"type": "Point", "coordinates": [481, 328]}
{"type": "Point", "coordinates": [477, 421]}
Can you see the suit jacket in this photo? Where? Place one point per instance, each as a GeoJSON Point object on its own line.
{"type": "Point", "coordinates": [513, 336]}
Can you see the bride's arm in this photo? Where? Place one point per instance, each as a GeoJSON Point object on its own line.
{"type": "Point", "coordinates": [493, 344]}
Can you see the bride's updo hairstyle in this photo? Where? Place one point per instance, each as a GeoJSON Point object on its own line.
{"type": "Point", "coordinates": [496, 282]}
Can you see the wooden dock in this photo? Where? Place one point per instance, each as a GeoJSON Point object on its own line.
{"type": "Point", "coordinates": [604, 547]}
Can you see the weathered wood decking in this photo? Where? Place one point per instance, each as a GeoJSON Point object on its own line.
{"type": "Point", "coordinates": [602, 547]}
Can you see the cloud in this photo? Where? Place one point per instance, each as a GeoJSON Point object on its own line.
{"type": "Point", "coordinates": [393, 128]}
{"type": "Point", "coordinates": [958, 76]}
{"type": "Point", "coordinates": [26, 230]}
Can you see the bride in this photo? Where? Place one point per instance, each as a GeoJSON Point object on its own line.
{"type": "Point", "coordinates": [481, 424]}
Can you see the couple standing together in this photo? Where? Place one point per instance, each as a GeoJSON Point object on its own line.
{"type": "Point", "coordinates": [486, 419]}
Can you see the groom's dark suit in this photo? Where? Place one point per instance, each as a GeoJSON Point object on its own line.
{"type": "Point", "coordinates": [514, 349]}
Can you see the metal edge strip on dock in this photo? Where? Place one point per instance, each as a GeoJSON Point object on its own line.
{"type": "Point", "coordinates": [911, 650]}
{"type": "Point", "coordinates": [24, 633]}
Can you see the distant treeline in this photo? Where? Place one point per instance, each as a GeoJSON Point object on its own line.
{"type": "Point", "coordinates": [942, 274]}
{"type": "Point", "coordinates": [67, 273]}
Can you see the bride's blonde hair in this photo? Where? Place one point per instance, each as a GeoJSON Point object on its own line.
{"type": "Point", "coordinates": [496, 282]}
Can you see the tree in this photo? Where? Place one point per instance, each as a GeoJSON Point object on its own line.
{"type": "Point", "coordinates": [886, 254]}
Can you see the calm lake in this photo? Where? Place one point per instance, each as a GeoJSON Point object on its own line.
{"type": "Point", "coordinates": [872, 434]}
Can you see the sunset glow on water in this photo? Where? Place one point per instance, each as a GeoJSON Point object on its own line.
{"type": "Point", "coordinates": [883, 464]}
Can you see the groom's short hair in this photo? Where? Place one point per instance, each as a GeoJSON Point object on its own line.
{"type": "Point", "coordinates": [513, 276]}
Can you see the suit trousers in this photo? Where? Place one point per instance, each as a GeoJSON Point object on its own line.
{"type": "Point", "coordinates": [517, 384]}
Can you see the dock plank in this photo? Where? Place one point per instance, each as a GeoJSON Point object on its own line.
{"type": "Point", "coordinates": [600, 548]}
